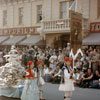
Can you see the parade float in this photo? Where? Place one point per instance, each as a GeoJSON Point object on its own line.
{"type": "Point", "coordinates": [10, 75]}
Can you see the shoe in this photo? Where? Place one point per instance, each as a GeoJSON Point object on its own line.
{"type": "Point", "coordinates": [42, 99]}
{"type": "Point", "coordinates": [64, 97]}
{"type": "Point", "coordinates": [90, 86]}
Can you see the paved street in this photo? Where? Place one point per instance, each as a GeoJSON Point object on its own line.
{"type": "Point", "coordinates": [51, 93]}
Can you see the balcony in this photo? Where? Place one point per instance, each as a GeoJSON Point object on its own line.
{"type": "Point", "coordinates": [56, 26]}
{"type": "Point", "coordinates": [62, 26]}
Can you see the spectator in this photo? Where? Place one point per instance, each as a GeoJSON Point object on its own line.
{"type": "Point", "coordinates": [29, 57]}
{"type": "Point", "coordinates": [85, 65]}
{"type": "Point", "coordinates": [47, 73]}
{"type": "Point", "coordinates": [47, 57]}
{"type": "Point", "coordinates": [87, 77]}
{"type": "Point", "coordinates": [56, 75]}
{"type": "Point", "coordinates": [78, 64]}
{"type": "Point", "coordinates": [95, 83]}
{"type": "Point", "coordinates": [96, 66]}
{"type": "Point", "coordinates": [53, 60]}
{"type": "Point", "coordinates": [61, 57]}
{"type": "Point", "coordinates": [77, 76]}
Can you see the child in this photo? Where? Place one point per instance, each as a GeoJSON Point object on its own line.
{"type": "Point", "coordinates": [30, 91]}
{"type": "Point", "coordinates": [67, 85]}
{"type": "Point", "coordinates": [40, 78]}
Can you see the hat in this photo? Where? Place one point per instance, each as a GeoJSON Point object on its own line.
{"type": "Point", "coordinates": [39, 62]}
{"type": "Point", "coordinates": [67, 59]}
{"type": "Point", "coordinates": [30, 63]}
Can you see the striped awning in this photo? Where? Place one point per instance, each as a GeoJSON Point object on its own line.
{"type": "Point", "coordinates": [13, 40]}
{"type": "Point", "coordinates": [3, 38]}
{"type": "Point", "coordinates": [92, 39]}
{"type": "Point", "coordinates": [31, 40]}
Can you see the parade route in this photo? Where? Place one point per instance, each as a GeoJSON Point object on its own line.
{"type": "Point", "coordinates": [51, 93]}
{"type": "Point", "coordinates": [47, 42]}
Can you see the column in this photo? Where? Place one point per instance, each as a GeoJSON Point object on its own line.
{"type": "Point", "coordinates": [68, 12]}
{"type": "Point", "coordinates": [68, 6]}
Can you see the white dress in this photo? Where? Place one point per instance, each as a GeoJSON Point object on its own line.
{"type": "Point", "coordinates": [30, 91]}
{"type": "Point", "coordinates": [68, 84]}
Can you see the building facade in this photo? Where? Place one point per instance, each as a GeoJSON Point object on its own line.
{"type": "Point", "coordinates": [91, 12]}
{"type": "Point", "coordinates": [49, 18]}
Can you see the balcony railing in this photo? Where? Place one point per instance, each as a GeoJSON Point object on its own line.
{"type": "Point", "coordinates": [56, 26]}
{"type": "Point", "coordinates": [62, 26]}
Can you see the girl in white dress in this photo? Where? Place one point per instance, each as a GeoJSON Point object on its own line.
{"type": "Point", "coordinates": [67, 80]}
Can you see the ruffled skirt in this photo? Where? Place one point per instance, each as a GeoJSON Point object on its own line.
{"type": "Point", "coordinates": [67, 86]}
{"type": "Point", "coordinates": [30, 91]}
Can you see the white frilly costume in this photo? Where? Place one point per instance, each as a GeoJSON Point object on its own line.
{"type": "Point", "coordinates": [68, 84]}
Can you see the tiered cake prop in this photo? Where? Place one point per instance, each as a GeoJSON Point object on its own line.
{"type": "Point", "coordinates": [12, 71]}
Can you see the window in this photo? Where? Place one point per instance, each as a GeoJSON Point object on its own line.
{"type": "Point", "coordinates": [21, 15]}
{"type": "Point", "coordinates": [72, 5]}
{"type": "Point", "coordinates": [63, 10]}
{"type": "Point", "coordinates": [99, 8]}
{"type": "Point", "coordinates": [4, 17]}
{"type": "Point", "coordinates": [39, 13]}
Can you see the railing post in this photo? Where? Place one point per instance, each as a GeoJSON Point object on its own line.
{"type": "Point", "coordinates": [68, 23]}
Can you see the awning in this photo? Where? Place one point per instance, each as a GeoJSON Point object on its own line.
{"type": "Point", "coordinates": [13, 40]}
{"type": "Point", "coordinates": [3, 38]}
{"type": "Point", "coordinates": [92, 39]}
{"type": "Point", "coordinates": [31, 40]}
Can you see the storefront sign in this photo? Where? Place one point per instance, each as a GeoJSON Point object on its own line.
{"type": "Point", "coordinates": [19, 31]}
{"type": "Point", "coordinates": [95, 27]}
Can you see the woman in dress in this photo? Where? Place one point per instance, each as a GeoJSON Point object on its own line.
{"type": "Point", "coordinates": [30, 91]}
{"type": "Point", "coordinates": [67, 80]}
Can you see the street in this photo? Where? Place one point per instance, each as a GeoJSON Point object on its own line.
{"type": "Point", "coordinates": [51, 93]}
{"type": "Point", "coordinates": [51, 41]}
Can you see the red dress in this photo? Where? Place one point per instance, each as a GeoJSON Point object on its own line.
{"type": "Point", "coordinates": [30, 74]}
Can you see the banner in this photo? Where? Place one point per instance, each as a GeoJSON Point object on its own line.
{"type": "Point", "coordinates": [76, 30]}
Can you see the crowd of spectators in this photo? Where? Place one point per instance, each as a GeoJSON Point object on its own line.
{"type": "Point", "coordinates": [86, 68]}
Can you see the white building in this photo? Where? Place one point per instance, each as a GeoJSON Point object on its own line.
{"type": "Point", "coordinates": [49, 18]}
